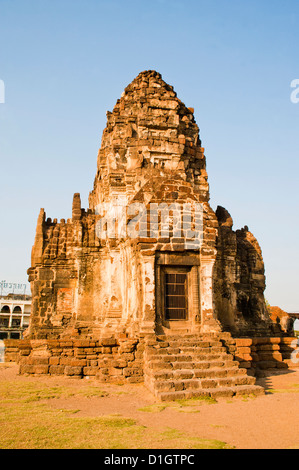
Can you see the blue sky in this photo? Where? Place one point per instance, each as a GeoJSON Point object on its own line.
{"type": "Point", "coordinates": [65, 63]}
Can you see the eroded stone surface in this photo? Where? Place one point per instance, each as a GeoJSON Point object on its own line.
{"type": "Point", "coordinates": [89, 286]}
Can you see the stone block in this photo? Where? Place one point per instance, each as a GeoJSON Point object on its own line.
{"type": "Point", "coordinates": [242, 342]}
{"type": "Point", "coordinates": [134, 379]}
{"type": "Point", "coordinates": [56, 369]}
{"type": "Point", "coordinates": [244, 357]}
{"type": "Point", "coordinates": [282, 365]}
{"type": "Point", "coordinates": [22, 344]}
{"type": "Point", "coordinates": [221, 393]}
{"type": "Point", "coordinates": [208, 383]}
{"type": "Point", "coordinates": [132, 371]}
{"type": "Point", "coordinates": [255, 356]}
{"type": "Point", "coordinates": [275, 340]}
{"type": "Point", "coordinates": [66, 344]}
{"type": "Point", "coordinates": [108, 342]}
{"type": "Point", "coordinates": [245, 364]}
{"type": "Point", "coordinates": [78, 362]}
{"type": "Point", "coordinates": [38, 360]}
{"type": "Point", "coordinates": [89, 370]}
{"type": "Point", "coordinates": [26, 369]}
{"type": "Point", "coordinates": [91, 357]}
{"type": "Point", "coordinates": [269, 347]}
{"type": "Point", "coordinates": [115, 371]}
{"type": "Point", "coordinates": [81, 343]}
{"type": "Point", "coordinates": [54, 360]}
{"type": "Point", "coordinates": [53, 343]}
{"type": "Point", "coordinates": [40, 369]}
{"type": "Point", "coordinates": [269, 356]}
{"type": "Point", "coordinates": [243, 350]}
{"type": "Point", "coordinates": [68, 353]}
{"type": "Point", "coordinates": [92, 363]}
{"type": "Point", "coordinates": [73, 370]}
{"type": "Point", "coordinates": [24, 352]}
{"type": "Point", "coordinates": [128, 356]}
{"type": "Point", "coordinates": [98, 350]}
{"type": "Point", "coordinates": [79, 352]}
{"type": "Point", "coordinates": [65, 361]}
{"type": "Point", "coordinates": [56, 351]}
{"type": "Point", "coordinates": [119, 363]}
{"type": "Point", "coordinates": [288, 340]}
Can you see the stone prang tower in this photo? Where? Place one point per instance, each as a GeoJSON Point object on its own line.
{"type": "Point", "coordinates": [149, 256]}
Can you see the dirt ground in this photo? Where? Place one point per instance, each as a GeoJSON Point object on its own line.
{"type": "Point", "coordinates": [264, 422]}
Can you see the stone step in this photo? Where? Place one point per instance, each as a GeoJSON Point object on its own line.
{"type": "Point", "coordinates": [188, 336]}
{"type": "Point", "coordinates": [186, 384]}
{"type": "Point", "coordinates": [194, 357]}
{"type": "Point", "coordinates": [197, 349]}
{"type": "Point", "coordinates": [194, 366]}
{"type": "Point", "coordinates": [161, 364]}
{"type": "Point", "coordinates": [182, 343]}
{"type": "Point", "coordinates": [198, 373]}
{"type": "Point", "coordinates": [237, 390]}
{"type": "Point", "coordinates": [151, 351]}
{"type": "Point", "coordinates": [185, 339]}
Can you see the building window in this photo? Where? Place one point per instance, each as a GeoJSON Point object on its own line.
{"type": "Point", "coordinates": [14, 335]}
{"type": "Point", "coordinates": [5, 309]}
{"type": "Point", "coordinates": [174, 292]}
{"type": "Point", "coordinates": [17, 309]}
{"type": "Point", "coordinates": [4, 322]}
{"type": "Point", "coordinates": [176, 306]}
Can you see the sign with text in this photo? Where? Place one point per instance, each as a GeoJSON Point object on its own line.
{"type": "Point", "coordinates": [12, 287]}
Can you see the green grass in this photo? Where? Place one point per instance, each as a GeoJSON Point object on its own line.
{"type": "Point", "coordinates": [27, 392]}
{"type": "Point", "coordinates": [152, 408]}
{"type": "Point", "coordinates": [294, 389]}
{"type": "Point", "coordinates": [27, 421]}
{"type": "Point", "coordinates": [35, 426]}
{"type": "Point", "coordinates": [193, 442]}
{"type": "Point", "coordinates": [188, 405]}
{"type": "Point", "coordinates": [196, 401]}
{"type": "Point", "coordinates": [247, 397]}
{"type": "Point", "coordinates": [93, 391]}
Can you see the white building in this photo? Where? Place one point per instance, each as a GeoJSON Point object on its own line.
{"type": "Point", "coordinates": [14, 315]}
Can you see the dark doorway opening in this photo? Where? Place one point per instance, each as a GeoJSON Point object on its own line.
{"type": "Point", "coordinates": [176, 306]}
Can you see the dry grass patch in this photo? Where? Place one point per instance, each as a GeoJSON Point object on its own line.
{"type": "Point", "coordinates": [188, 405]}
{"type": "Point", "coordinates": [293, 389]}
{"type": "Point", "coordinates": [28, 422]}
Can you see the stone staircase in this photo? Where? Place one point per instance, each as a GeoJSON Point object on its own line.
{"type": "Point", "coordinates": [182, 367]}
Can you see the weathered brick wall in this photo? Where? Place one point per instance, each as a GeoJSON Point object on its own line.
{"type": "Point", "coordinates": [264, 353]}
{"type": "Point", "coordinates": [11, 352]}
{"type": "Point", "coordinates": [121, 360]}
{"type": "Point", "coordinates": [111, 359]}
{"type": "Point", "coordinates": [239, 281]}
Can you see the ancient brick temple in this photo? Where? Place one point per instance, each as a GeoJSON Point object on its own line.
{"type": "Point", "coordinates": [99, 275]}
{"type": "Point", "coordinates": [86, 284]}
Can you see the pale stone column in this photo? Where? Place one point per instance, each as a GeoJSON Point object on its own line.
{"type": "Point", "coordinates": [209, 322]}
{"type": "Point", "coordinates": [10, 317]}
{"type": "Point", "coordinates": [148, 321]}
{"type": "Point", "coordinates": [22, 314]}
